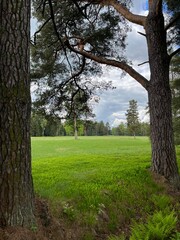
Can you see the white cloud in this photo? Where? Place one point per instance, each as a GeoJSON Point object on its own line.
{"type": "Point", "coordinates": [113, 104]}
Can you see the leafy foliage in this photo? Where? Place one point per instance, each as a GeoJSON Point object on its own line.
{"type": "Point", "coordinates": [159, 226]}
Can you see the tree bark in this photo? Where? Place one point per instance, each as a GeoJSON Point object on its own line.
{"type": "Point", "coordinates": [159, 93]}
{"type": "Point", "coordinates": [16, 186]}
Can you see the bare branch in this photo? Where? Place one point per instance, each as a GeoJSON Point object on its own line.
{"type": "Point", "coordinates": [39, 30]}
{"type": "Point", "coordinates": [143, 34]}
{"type": "Point", "coordinates": [143, 63]}
{"type": "Point", "coordinates": [122, 65]}
{"type": "Point", "coordinates": [174, 53]}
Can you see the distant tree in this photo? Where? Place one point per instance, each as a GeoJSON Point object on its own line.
{"type": "Point", "coordinates": [115, 131]}
{"type": "Point", "coordinates": [90, 128]}
{"type": "Point", "coordinates": [108, 128]}
{"type": "Point", "coordinates": [76, 105]}
{"type": "Point", "coordinates": [16, 186]}
{"type": "Point", "coordinates": [42, 125]}
{"type": "Point", "coordinates": [100, 128]}
{"type": "Point", "coordinates": [69, 128]}
{"type": "Point", "coordinates": [54, 127]}
{"type": "Point", "coordinates": [144, 129]}
{"type": "Point", "coordinates": [38, 124]}
{"type": "Point", "coordinates": [122, 129]}
{"type": "Point", "coordinates": [80, 108]}
{"type": "Point", "coordinates": [132, 117]}
{"type": "Point", "coordinates": [86, 123]}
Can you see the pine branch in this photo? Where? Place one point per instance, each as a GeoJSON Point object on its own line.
{"type": "Point", "coordinates": [134, 18]}
{"type": "Point", "coordinates": [143, 34]}
{"type": "Point", "coordinates": [143, 63]}
{"type": "Point", "coordinates": [122, 65]}
{"type": "Point", "coordinates": [56, 31]}
{"type": "Point", "coordinates": [75, 75]}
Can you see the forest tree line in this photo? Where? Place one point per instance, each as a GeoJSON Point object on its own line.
{"type": "Point", "coordinates": [42, 126]}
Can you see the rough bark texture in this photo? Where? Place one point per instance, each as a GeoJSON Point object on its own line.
{"type": "Point", "coordinates": [16, 187]}
{"type": "Point", "coordinates": [163, 149]}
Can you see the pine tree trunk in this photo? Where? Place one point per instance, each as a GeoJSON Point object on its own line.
{"type": "Point", "coordinates": [16, 187]}
{"type": "Point", "coordinates": [159, 93]}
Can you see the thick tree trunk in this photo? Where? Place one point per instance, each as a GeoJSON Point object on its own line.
{"type": "Point", "coordinates": [16, 187]}
{"type": "Point", "coordinates": [163, 148]}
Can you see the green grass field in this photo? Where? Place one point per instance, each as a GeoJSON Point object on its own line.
{"type": "Point", "coordinates": [99, 183]}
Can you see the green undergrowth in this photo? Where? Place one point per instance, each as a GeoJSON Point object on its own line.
{"type": "Point", "coordinates": [100, 184]}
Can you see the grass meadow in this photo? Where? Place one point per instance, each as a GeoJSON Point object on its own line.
{"type": "Point", "coordinates": [99, 186]}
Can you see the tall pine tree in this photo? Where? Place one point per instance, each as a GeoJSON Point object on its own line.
{"type": "Point", "coordinates": [132, 117]}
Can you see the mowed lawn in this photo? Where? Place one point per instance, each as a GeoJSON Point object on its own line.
{"type": "Point", "coordinates": [65, 168]}
{"type": "Point", "coordinates": [97, 182]}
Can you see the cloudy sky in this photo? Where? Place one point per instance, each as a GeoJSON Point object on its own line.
{"type": "Point", "coordinates": [113, 104]}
